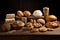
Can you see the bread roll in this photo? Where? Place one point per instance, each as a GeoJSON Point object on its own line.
{"type": "Point", "coordinates": [51, 18]}
{"type": "Point", "coordinates": [20, 13]}
{"type": "Point", "coordinates": [27, 13]}
{"type": "Point", "coordinates": [42, 21]}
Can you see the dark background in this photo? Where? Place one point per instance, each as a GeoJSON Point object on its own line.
{"type": "Point", "coordinates": [11, 6]}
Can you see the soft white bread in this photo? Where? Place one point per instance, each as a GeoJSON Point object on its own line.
{"type": "Point", "coordinates": [37, 13]}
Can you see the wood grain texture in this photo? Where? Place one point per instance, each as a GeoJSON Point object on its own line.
{"type": "Point", "coordinates": [20, 32]}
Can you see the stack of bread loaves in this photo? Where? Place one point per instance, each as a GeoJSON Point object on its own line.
{"type": "Point", "coordinates": [10, 18]}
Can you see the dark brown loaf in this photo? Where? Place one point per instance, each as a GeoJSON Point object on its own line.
{"type": "Point", "coordinates": [6, 27]}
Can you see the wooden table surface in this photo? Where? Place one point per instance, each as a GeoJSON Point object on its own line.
{"type": "Point", "coordinates": [55, 32]}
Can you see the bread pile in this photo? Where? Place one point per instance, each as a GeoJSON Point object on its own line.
{"type": "Point", "coordinates": [33, 22]}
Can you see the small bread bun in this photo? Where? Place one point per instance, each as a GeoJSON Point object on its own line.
{"type": "Point", "coordinates": [27, 13]}
{"type": "Point", "coordinates": [20, 13]}
{"type": "Point", "coordinates": [51, 18]}
{"type": "Point", "coordinates": [52, 25]}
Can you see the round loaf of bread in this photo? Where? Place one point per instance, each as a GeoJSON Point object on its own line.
{"type": "Point", "coordinates": [37, 13]}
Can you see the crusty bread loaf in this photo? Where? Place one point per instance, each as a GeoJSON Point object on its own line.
{"type": "Point", "coordinates": [27, 13]}
{"type": "Point", "coordinates": [20, 13]}
{"type": "Point", "coordinates": [51, 18]}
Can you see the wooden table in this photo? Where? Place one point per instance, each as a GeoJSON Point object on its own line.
{"type": "Point", "coordinates": [26, 35]}
{"type": "Point", "coordinates": [19, 32]}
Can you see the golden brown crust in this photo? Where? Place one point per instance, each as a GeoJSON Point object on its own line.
{"type": "Point", "coordinates": [52, 25]}
{"type": "Point", "coordinates": [20, 13]}
{"type": "Point", "coordinates": [51, 18]}
{"type": "Point", "coordinates": [27, 13]}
